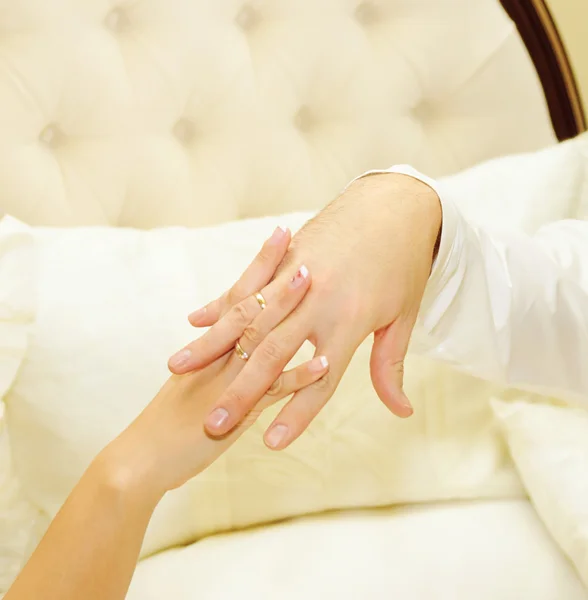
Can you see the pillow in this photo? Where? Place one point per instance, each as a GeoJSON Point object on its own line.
{"type": "Point", "coordinates": [549, 444]}
{"type": "Point", "coordinates": [16, 313]}
{"type": "Point", "coordinates": [16, 297]}
{"type": "Point", "coordinates": [524, 192]}
{"type": "Point", "coordinates": [112, 306]}
{"type": "Point", "coordinates": [482, 550]}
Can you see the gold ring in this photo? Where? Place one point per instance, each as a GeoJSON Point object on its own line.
{"type": "Point", "coordinates": [260, 300]}
{"type": "Point", "coordinates": [240, 352]}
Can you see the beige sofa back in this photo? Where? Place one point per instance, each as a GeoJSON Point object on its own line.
{"type": "Point", "coordinates": [164, 112]}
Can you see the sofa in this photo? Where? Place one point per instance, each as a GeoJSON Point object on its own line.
{"type": "Point", "coordinates": [151, 120]}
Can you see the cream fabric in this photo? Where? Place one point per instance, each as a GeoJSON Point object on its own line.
{"type": "Point", "coordinates": [195, 112]}
{"type": "Point", "coordinates": [457, 551]}
{"type": "Point", "coordinates": [16, 313]}
{"type": "Point", "coordinates": [112, 306]}
{"type": "Point", "coordinates": [16, 297]}
{"type": "Point", "coordinates": [549, 444]}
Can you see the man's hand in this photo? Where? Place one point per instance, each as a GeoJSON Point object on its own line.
{"type": "Point", "coordinates": [370, 252]}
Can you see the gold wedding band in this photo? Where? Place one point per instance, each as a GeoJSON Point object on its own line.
{"type": "Point", "coordinates": [240, 352]}
{"type": "Point", "coordinates": [260, 300]}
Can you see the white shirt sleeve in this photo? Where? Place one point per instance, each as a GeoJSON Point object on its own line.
{"type": "Point", "coordinates": [508, 306]}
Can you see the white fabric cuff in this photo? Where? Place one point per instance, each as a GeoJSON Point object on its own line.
{"type": "Point", "coordinates": [403, 170]}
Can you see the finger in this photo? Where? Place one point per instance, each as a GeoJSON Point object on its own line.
{"type": "Point", "coordinates": [289, 382]}
{"type": "Point", "coordinates": [387, 366]}
{"type": "Point", "coordinates": [295, 417]}
{"type": "Point", "coordinates": [218, 340]}
{"type": "Point", "coordinates": [261, 370]}
{"type": "Point", "coordinates": [284, 301]}
{"type": "Point", "coordinates": [257, 275]}
{"type": "Point", "coordinates": [286, 384]}
{"type": "Point", "coordinates": [281, 297]}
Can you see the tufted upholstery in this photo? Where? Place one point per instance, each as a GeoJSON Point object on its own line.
{"type": "Point", "coordinates": [146, 113]}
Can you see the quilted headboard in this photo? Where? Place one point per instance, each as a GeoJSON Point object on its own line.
{"type": "Point", "coordinates": [145, 113]}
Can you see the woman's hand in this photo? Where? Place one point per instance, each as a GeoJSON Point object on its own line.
{"type": "Point", "coordinates": [167, 444]}
{"type": "Point", "coordinates": [370, 253]}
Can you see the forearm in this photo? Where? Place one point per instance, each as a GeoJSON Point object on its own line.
{"type": "Point", "coordinates": [91, 548]}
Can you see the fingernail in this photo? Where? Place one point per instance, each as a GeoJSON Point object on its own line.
{"type": "Point", "coordinates": [318, 364]}
{"type": "Point", "coordinates": [405, 402]}
{"type": "Point", "coordinates": [197, 314]}
{"type": "Point", "coordinates": [276, 435]}
{"type": "Point", "coordinates": [300, 277]}
{"type": "Point", "coordinates": [217, 418]}
{"type": "Point", "coordinates": [278, 235]}
{"type": "Point", "coordinates": [180, 359]}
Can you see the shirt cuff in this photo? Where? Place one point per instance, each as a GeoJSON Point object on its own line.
{"type": "Point", "coordinates": [403, 170]}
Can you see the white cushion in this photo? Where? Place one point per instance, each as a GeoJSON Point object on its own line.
{"type": "Point", "coordinates": [195, 112]}
{"type": "Point", "coordinates": [549, 444]}
{"type": "Point", "coordinates": [16, 313]}
{"type": "Point", "coordinates": [112, 305]}
{"type": "Point", "coordinates": [524, 192]}
{"type": "Point", "coordinates": [17, 289]}
{"type": "Point", "coordinates": [460, 551]}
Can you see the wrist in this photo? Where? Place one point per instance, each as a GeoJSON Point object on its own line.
{"type": "Point", "coordinates": [124, 475]}
{"type": "Point", "coordinates": [410, 196]}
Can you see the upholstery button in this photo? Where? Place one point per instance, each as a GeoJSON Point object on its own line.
{"type": "Point", "coordinates": [303, 119]}
{"type": "Point", "coordinates": [185, 131]}
{"type": "Point", "coordinates": [366, 13]}
{"type": "Point", "coordinates": [52, 136]}
{"type": "Point", "coordinates": [117, 20]}
{"type": "Point", "coordinates": [247, 18]}
{"type": "Point", "coordinates": [424, 111]}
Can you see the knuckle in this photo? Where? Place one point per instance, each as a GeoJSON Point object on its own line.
{"type": "Point", "coordinates": [266, 254]}
{"type": "Point", "coordinates": [240, 315]}
{"type": "Point", "coordinates": [397, 366]}
{"type": "Point", "coordinates": [276, 387]}
{"type": "Point", "coordinates": [236, 399]}
{"type": "Point", "coordinates": [251, 417]}
{"type": "Point", "coordinates": [253, 334]}
{"type": "Point", "coordinates": [271, 352]}
{"type": "Point", "coordinates": [286, 339]}
{"type": "Point", "coordinates": [323, 384]}
{"type": "Point", "coordinates": [234, 296]}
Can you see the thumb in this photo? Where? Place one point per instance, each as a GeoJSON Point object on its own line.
{"type": "Point", "coordinates": [387, 366]}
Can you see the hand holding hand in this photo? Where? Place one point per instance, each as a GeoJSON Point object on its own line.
{"type": "Point", "coordinates": [167, 444]}
{"type": "Point", "coordinates": [370, 253]}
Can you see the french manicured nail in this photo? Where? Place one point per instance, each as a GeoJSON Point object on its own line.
{"type": "Point", "coordinates": [217, 418]}
{"type": "Point", "coordinates": [180, 359]}
{"type": "Point", "coordinates": [276, 435]}
{"type": "Point", "coordinates": [300, 277]}
{"type": "Point", "coordinates": [318, 364]}
{"type": "Point", "coordinates": [278, 235]}
{"type": "Point", "coordinates": [197, 314]}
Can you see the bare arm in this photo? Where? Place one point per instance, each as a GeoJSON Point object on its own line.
{"type": "Point", "coordinates": [91, 548]}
